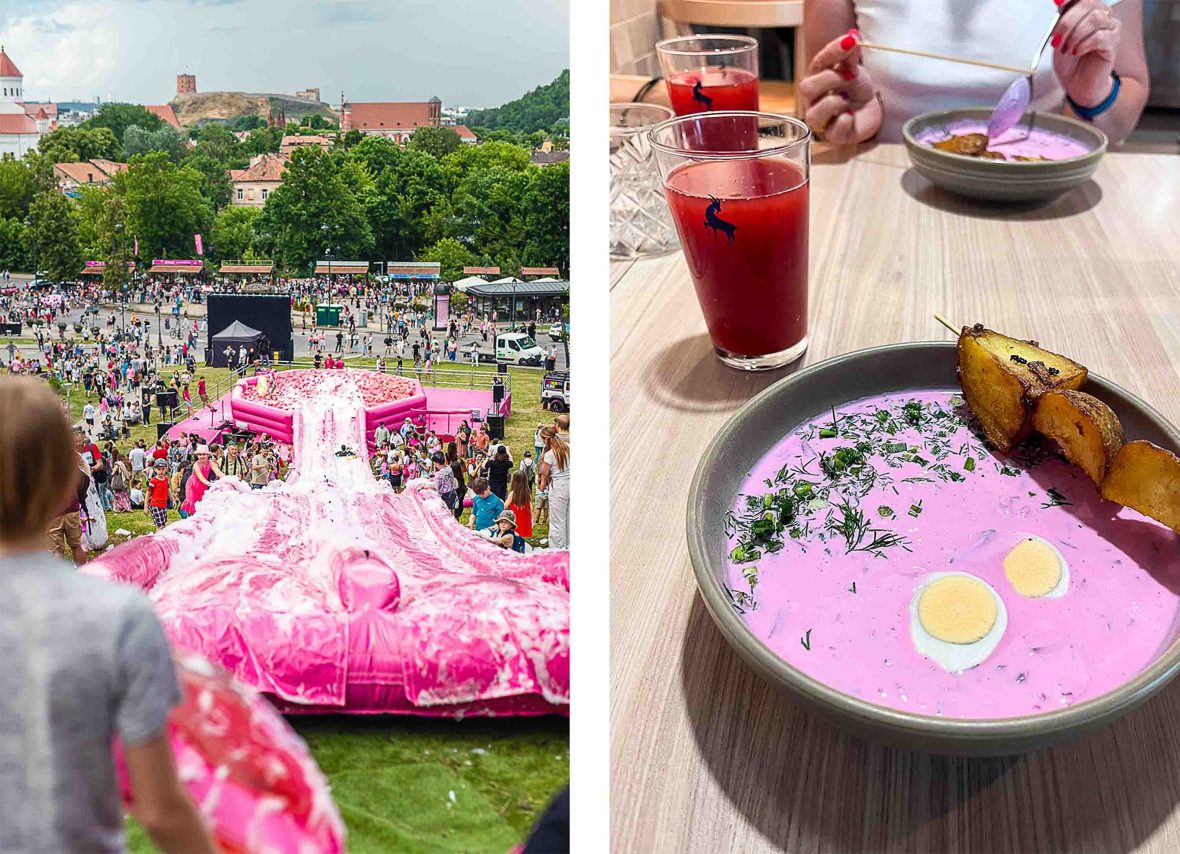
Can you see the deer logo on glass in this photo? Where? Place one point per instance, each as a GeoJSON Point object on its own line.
{"type": "Point", "coordinates": [700, 97]}
{"type": "Point", "coordinates": [717, 223]}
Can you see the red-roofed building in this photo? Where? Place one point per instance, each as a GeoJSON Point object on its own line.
{"type": "Point", "coordinates": [465, 135]}
{"type": "Point", "coordinates": [71, 176]}
{"type": "Point", "coordinates": [395, 120]}
{"type": "Point", "coordinates": [254, 184]}
{"type": "Point", "coordinates": [21, 124]}
{"type": "Point", "coordinates": [164, 112]}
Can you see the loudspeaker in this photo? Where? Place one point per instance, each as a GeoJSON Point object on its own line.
{"type": "Point", "coordinates": [168, 399]}
{"type": "Point", "coordinates": [497, 393]}
{"type": "Point", "coordinates": [162, 427]}
{"type": "Point", "coordinates": [496, 427]}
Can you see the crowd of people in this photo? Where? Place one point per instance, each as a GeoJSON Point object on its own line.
{"type": "Point", "coordinates": [473, 472]}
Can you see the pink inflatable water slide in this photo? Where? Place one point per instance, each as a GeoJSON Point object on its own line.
{"type": "Point", "coordinates": [331, 593]}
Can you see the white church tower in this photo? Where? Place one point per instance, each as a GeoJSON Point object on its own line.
{"type": "Point", "coordinates": [19, 131]}
{"type": "Point", "coordinates": [12, 86]}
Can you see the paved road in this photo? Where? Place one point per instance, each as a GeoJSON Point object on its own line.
{"type": "Point", "coordinates": [301, 340]}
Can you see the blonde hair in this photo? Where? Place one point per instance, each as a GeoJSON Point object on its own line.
{"type": "Point", "coordinates": [39, 466]}
{"type": "Point", "coordinates": [561, 451]}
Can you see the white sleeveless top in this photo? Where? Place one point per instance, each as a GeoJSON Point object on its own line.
{"type": "Point", "coordinates": [1007, 32]}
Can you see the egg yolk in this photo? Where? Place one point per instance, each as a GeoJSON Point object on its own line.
{"type": "Point", "coordinates": [957, 609]}
{"type": "Point", "coordinates": [1033, 568]}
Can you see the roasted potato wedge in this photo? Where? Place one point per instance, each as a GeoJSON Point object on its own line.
{"type": "Point", "coordinates": [1086, 429]}
{"type": "Point", "coordinates": [1145, 477]}
{"type": "Point", "coordinates": [969, 144]}
{"type": "Point", "coordinates": [1002, 377]}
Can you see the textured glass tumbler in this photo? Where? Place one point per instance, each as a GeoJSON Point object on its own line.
{"type": "Point", "coordinates": [639, 220]}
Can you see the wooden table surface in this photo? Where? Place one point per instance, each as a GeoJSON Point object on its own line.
{"type": "Point", "coordinates": [705, 756]}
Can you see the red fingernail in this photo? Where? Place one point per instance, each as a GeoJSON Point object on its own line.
{"type": "Point", "coordinates": [847, 43]}
{"type": "Point", "coordinates": [849, 113]}
{"type": "Point", "coordinates": [848, 74]}
{"type": "Point", "coordinates": [1056, 40]}
{"type": "Point", "coordinates": [1058, 2]}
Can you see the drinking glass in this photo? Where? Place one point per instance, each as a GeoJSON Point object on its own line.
{"type": "Point", "coordinates": [639, 220]}
{"type": "Point", "coordinates": [742, 220]}
{"type": "Point", "coordinates": [710, 73]}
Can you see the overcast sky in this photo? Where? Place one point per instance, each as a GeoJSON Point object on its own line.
{"type": "Point", "coordinates": [477, 53]}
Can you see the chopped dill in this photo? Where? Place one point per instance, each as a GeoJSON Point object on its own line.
{"type": "Point", "coordinates": [1056, 499]}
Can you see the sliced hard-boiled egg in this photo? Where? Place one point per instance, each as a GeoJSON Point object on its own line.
{"type": "Point", "coordinates": [957, 620]}
{"type": "Point", "coordinates": [1036, 569]}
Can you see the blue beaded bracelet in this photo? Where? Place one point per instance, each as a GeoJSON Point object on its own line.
{"type": "Point", "coordinates": [1091, 113]}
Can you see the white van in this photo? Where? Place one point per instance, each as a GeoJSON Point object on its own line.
{"type": "Point", "coordinates": [516, 348]}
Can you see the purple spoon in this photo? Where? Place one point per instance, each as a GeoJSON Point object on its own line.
{"type": "Point", "coordinates": [1013, 103]}
{"type": "Point", "coordinates": [1018, 96]}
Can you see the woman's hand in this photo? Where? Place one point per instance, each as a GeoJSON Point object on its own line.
{"type": "Point", "coordinates": [1085, 42]}
{"type": "Point", "coordinates": [842, 104]}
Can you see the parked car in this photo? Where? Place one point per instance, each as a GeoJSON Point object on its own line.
{"type": "Point", "coordinates": [555, 391]}
{"type": "Point", "coordinates": [517, 348]}
{"type": "Point", "coordinates": [557, 331]}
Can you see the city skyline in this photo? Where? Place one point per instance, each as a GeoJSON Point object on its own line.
{"type": "Point", "coordinates": [72, 51]}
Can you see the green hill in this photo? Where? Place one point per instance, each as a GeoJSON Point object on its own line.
{"type": "Point", "coordinates": [541, 109]}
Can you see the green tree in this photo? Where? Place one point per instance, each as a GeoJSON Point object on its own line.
{"type": "Point", "coordinates": [14, 245]}
{"type": "Point", "coordinates": [231, 236]}
{"type": "Point", "coordinates": [137, 140]}
{"type": "Point", "coordinates": [547, 218]}
{"type": "Point", "coordinates": [315, 194]}
{"type": "Point", "coordinates": [452, 255]}
{"type": "Point", "coordinates": [262, 141]}
{"type": "Point", "coordinates": [216, 185]}
{"type": "Point", "coordinates": [54, 228]}
{"type": "Point", "coordinates": [164, 204]}
{"type": "Point", "coordinates": [407, 184]}
{"type": "Point", "coordinates": [90, 206]}
{"type": "Point", "coordinates": [470, 159]}
{"type": "Point", "coordinates": [71, 145]}
{"type": "Point", "coordinates": [544, 108]}
{"type": "Point", "coordinates": [489, 213]}
{"type": "Point", "coordinates": [118, 117]}
{"type": "Point", "coordinates": [217, 142]}
{"type": "Point", "coordinates": [115, 243]}
{"type": "Point", "coordinates": [16, 188]}
{"type": "Point", "coordinates": [435, 141]}
{"type": "Point", "coordinates": [353, 137]}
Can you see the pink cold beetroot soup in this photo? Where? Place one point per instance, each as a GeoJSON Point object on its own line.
{"type": "Point", "coordinates": [883, 550]}
{"type": "Point", "coordinates": [1017, 142]}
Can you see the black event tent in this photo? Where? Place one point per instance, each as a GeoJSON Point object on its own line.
{"type": "Point", "coordinates": [236, 335]}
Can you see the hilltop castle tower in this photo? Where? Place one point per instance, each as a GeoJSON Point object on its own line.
{"type": "Point", "coordinates": [186, 84]}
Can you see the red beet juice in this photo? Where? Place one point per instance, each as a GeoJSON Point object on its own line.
{"type": "Point", "coordinates": [711, 90]}
{"type": "Point", "coordinates": [743, 227]}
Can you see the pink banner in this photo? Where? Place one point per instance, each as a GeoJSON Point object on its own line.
{"type": "Point", "coordinates": [200, 248]}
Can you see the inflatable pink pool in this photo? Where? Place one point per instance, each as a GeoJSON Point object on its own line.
{"type": "Point", "coordinates": [268, 403]}
{"type": "Point", "coordinates": [329, 592]}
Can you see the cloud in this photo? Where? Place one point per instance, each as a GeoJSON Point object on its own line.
{"type": "Point", "coordinates": [469, 52]}
{"type": "Point", "coordinates": [51, 26]}
{"type": "Point", "coordinates": [348, 13]}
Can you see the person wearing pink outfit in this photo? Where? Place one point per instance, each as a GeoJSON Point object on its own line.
{"type": "Point", "coordinates": [205, 471]}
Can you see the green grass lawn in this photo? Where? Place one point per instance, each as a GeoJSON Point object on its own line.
{"type": "Point", "coordinates": [393, 778]}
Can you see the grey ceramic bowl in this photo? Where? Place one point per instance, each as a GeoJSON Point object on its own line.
{"type": "Point", "coordinates": [1002, 180]}
{"type": "Point", "coordinates": [760, 424]}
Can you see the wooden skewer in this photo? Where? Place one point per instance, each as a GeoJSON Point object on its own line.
{"type": "Point", "coordinates": [945, 323]}
{"type": "Point", "coordinates": [1010, 68]}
